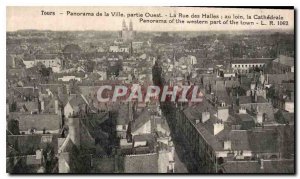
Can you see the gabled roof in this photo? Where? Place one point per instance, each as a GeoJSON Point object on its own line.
{"type": "Point", "coordinates": [195, 112]}
{"type": "Point", "coordinates": [285, 60]}
{"type": "Point", "coordinates": [123, 115]}
{"type": "Point", "coordinates": [28, 106]}
{"type": "Point", "coordinates": [26, 91]}
{"type": "Point", "coordinates": [140, 120]}
{"type": "Point", "coordinates": [143, 163]}
{"type": "Point", "coordinates": [46, 56]}
{"type": "Point", "coordinates": [77, 100]}
{"type": "Point", "coordinates": [251, 60]}
{"type": "Point", "coordinates": [209, 138]}
{"type": "Point", "coordinates": [264, 141]}
{"type": "Point", "coordinates": [27, 144]}
{"type": "Point", "coordinates": [28, 57]}
{"type": "Point", "coordinates": [50, 105]}
{"type": "Point", "coordinates": [239, 140]}
{"type": "Point", "coordinates": [269, 166]}
{"type": "Point", "coordinates": [245, 99]}
{"type": "Point", "coordinates": [39, 122]}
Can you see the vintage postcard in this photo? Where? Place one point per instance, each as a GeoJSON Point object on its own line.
{"type": "Point", "coordinates": [207, 90]}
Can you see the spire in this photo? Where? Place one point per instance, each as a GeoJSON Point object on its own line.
{"type": "Point", "coordinates": [124, 27]}
{"type": "Point", "coordinates": [131, 49]}
{"type": "Point", "coordinates": [130, 25]}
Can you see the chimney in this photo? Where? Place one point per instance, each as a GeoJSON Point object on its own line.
{"type": "Point", "coordinates": [56, 106]}
{"type": "Point", "coordinates": [223, 113]}
{"type": "Point", "coordinates": [255, 96]}
{"type": "Point", "coordinates": [259, 117]}
{"type": "Point", "coordinates": [252, 87]}
{"type": "Point", "coordinates": [218, 127]}
{"type": "Point", "coordinates": [261, 164]}
{"type": "Point", "coordinates": [237, 100]}
{"type": "Point", "coordinates": [39, 154]}
{"type": "Point", "coordinates": [60, 141]}
{"type": "Point", "coordinates": [74, 130]}
{"type": "Point", "coordinates": [292, 95]}
{"type": "Point", "coordinates": [13, 62]}
{"type": "Point", "coordinates": [130, 110]}
{"type": "Point", "coordinates": [42, 105]}
{"type": "Point", "coordinates": [68, 89]}
{"type": "Point", "coordinates": [205, 116]}
{"type": "Point", "coordinates": [227, 145]}
{"type": "Point", "coordinates": [242, 111]}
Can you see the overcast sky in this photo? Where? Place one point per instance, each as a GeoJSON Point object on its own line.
{"type": "Point", "coordinates": [20, 18]}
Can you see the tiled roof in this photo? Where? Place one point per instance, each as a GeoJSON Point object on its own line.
{"type": "Point", "coordinates": [252, 60]}
{"type": "Point", "coordinates": [123, 115]}
{"type": "Point", "coordinates": [27, 144]}
{"type": "Point", "coordinates": [144, 163]}
{"type": "Point", "coordinates": [269, 166]}
{"type": "Point", "coordinates": [239, 140]}
{"type": "Point", "coordinates": [28, 57]}
{"type": "Point", "coordinates": [210, 138]}
{"type": "Point", "coordinates": [31, 160]}
{"type": "Point", "coordinates": [241, 167]}
{"type": "Point", "coordinates": [39, 122]}
{"type": "Point", "coordinates": [245, 99]}
{"type": "Point", "coordinates": [284, 60]}
{"type": "Point", "coordinates": [279, 78]}
{"type": "Point", "coordinates": [140, 120]}
{"type": "Point", "coordinates": [45, 56]}
{"type": "Point", "coordinates": [263, 141]}
{"type": "Point", "coordinates": [77, 101]}
{"type": "Point", "coordinates": [28, 106]}
{"type": "Point", "coordinates": [26, 91]}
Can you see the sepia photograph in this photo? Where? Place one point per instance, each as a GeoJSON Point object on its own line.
{"type": "Point", "coordinates": [140, 90]}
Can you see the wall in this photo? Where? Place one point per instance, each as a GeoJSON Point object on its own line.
{"type": "Point", "coordinates": [74, 130]}
{"type": "Point", "coordinates": [63, 163]}
{"type": "Point", "coordinates": [163, 162]}
{"type": "Point", "coordinates": [68, 110]}
{"type": "Point", "coordinates": [289, 106]}
{"type": "Point", "coordinates": [145, 129]}
{"type": "Point", "coordinates": [223, 114]}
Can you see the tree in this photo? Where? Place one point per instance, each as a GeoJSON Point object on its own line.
{"type": "Point", "coordinates": [80, 160]}
{"type": "Point", "coordinates": [74, 88]}
{"type": "Point", "coordinates": [13, 126]}
{"type": "Point", "coordinates": [50, 160]}
{"type": "Point", "coordinates": [44, 72]}
{"type": "Point", "coordinates": [257, 69]}
{"type": "Point", "coordinates": [280, 118]}
{"type": "Point", "coordinates": [72, 51]}
{"type": "Point", "coordinates": [271, 94]}
{"type": "Point", "coordinates": [13, 107]}
{"type": "Point", "coordinates": [90, 65]}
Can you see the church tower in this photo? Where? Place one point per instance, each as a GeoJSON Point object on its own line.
{"type": "Point", "coordinates": [124, 27]}
{"type": "Point", "coordinates": [130, 25]}
{"type": "Point", "coordinates": [127, 33]}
